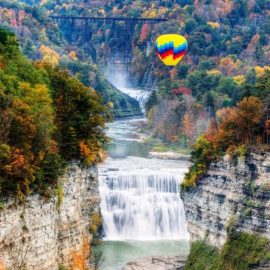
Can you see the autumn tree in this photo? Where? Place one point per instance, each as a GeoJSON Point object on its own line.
{"type": "Point", "coordinates": [47, 117]}
{"type": "Point", "coordinates": [239, 125]}
{"type": "Point", "coordinates": [249, 115]}
{"type": "Point", "coordinates": [188, 127]}
{"type": "Point", "coordinates": [49, 55]}
{"type": "Point", "coordinates": [233, 128]}
{"type": "Point", "coordinates": [80, 117]}
{"type": "Point", "coordinates": [144, 32]}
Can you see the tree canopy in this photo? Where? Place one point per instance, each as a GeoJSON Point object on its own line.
{"type": "Point", "coordinates": [47, 117]}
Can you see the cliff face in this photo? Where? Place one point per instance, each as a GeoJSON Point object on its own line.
{"type": "Point", "coordinates": [236, 192]}
{"type": "Point", "coordinates": [41, 235]}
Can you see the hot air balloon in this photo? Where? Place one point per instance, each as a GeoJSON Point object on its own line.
{"type": "Point", "coordinates": [171, 48]}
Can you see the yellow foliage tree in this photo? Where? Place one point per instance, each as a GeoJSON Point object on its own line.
{"type": "Point", "coordinates": [228, 66]}
{"type": "Point", "coordinates": [49, 55]}
{"type": "Point", "coordinates": [89, 155]}
{"type": "Point", "coordinates": [72, 55]}
{"type": "Point", "coordinates": [260, 71]}
{"type": "Point", "coordinates": [240, 79]}
{"type": "Point", "coordinates": [41, 111]}
{"type": "Point", "coordinates": [214, 25]}
{"type": "Point", "coordinates": [213, 72]}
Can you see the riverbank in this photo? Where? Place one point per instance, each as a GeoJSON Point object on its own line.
{"type": "Point", "coordinates": [157, 263]}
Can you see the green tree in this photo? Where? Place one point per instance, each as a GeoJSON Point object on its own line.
{"type": "Point", "coordinates": [228, 86]}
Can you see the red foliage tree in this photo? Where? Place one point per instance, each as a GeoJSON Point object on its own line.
{"type": "Point", "coordinates": [182, 90]}
{"type": "Point", "coordinates": [144, 32]}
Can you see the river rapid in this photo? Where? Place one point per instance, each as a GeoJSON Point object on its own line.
{"type": "Point", "coordinates": [142, 211]}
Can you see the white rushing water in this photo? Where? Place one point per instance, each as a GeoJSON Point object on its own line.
{"type": "Point", "coordinates": [139, 94]}
{"type": "Point", "coordinates": [140, 196]}
{"type": "Point", "coordinates": [140, 199]}
{"type": "Point", "coordinates": [119, 80]}
{"type": "Point", "coordinates": [142, 211]}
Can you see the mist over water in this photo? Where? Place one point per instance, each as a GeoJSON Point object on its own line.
{"type": "Point", "coordinates": [120, 79]}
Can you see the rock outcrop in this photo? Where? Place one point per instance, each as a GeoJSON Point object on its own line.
{"type": "Point", "coordinates": [41, 235]}
{"type": "Point", "coordinates": [231, 192]}
{"type": "Point", "coordinates": [157, 263]}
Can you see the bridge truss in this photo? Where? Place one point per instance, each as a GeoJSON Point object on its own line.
{"type": "Point", "coordinates": [81, 28]}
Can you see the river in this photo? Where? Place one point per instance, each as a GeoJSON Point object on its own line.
{"type": "Point", "coordinates": [142, 212]}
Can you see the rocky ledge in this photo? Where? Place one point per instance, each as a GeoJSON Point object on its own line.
{"type": "Point", "coordinates": [157, 263]}
{"type": "Point", "coordinates": [231, 191]}
{"type": "Point", "coordinates": [169, 155]}
{"type": "Point", "coordinates": [44, 234]}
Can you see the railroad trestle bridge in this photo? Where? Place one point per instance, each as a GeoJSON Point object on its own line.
{"type": "Point", "coordinates": [81, 28]}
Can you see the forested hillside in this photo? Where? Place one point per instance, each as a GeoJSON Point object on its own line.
{"type": "Point", "coordinates": [41, 39]}
{"type": "Point", "coordinates": [55, 101]}
{"type": "Point", "coordinates": [47, 118]}
{"type": "Point", "coordinates": [229, 54]}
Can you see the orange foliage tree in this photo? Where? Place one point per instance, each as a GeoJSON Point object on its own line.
{"type": "Point", "coordinates": [249, 116]}
{"type": "Point", "coordinates": [144, 32]}
{"type": "Point", "coordinates": [187, 125]}
{"type": "Point", "coordinates": [238, 125]}
{"type": "Point", "coordinates": [46, 117]}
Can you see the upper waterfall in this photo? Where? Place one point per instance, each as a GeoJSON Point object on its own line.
{"type": "Point", "coordinates": [120, 80]}
{"type": "Point", "coordinates": [140, 95]}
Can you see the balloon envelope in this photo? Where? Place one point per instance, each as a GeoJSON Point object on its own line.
{"type": "Point", "coordinates": [171, 48]}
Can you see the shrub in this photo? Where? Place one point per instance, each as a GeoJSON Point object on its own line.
{"type": "Point", "coordinates": [95, 223]}
{"type": "Point", "coordinates": [60, 195]}
{"type": "Point", "coordinates": [241, 251]}
{"type": "Point", "coordinates": [202, 155]}
{"type": "Point", "coordinates": [202, 257]}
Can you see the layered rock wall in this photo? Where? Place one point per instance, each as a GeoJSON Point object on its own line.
{"type": "Point", "coordinates": [42, 235]}
{"type": "Point", "coordinates": [231, 192]}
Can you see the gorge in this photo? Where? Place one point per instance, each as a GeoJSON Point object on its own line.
{"type": "Point", "coordinates": [170, 171]}
{"type": "Point", "coordinates": [138, 196]}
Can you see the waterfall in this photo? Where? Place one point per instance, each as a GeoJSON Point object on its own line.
{"type": "Point", "coordinates": [149, 48]}
{"type": "Point", "coordinates": [140, 199]}
{"type": "Point", "coordinates": [139, 94]}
